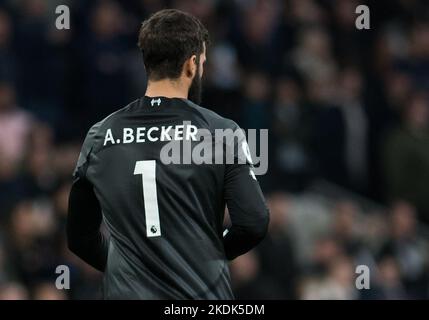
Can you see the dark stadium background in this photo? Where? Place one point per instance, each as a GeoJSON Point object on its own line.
{"type": "Point", "coordinates": [347, 111]}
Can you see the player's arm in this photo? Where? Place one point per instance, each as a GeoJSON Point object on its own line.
{"type": "Point", "coordinates": [247, 209]}
{"type": "Point", "coordinates": [84, 236]}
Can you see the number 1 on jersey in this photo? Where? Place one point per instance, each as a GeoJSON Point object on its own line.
{"type": "Point", "coordinates": [147, 169]}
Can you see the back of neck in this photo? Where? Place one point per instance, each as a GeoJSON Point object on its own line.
{"type": "Point", "coordinates": [166, 88]}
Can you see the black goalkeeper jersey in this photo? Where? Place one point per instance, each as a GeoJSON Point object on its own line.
{"type": "Point", "coordinates": [165, 220]}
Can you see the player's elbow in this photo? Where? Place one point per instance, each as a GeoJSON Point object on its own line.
{"type": "Point", "coordinates": [258, 229]}
{"type": "Point", "coordinates": [73, 243]}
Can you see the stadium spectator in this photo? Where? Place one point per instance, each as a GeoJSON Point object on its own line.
{"type": "Point", "coordinates": [406, 156]}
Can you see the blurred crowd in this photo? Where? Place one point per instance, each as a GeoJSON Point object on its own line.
{"type": "Point", "coordinates": [342, 105]}
{"type": "Point", "coordinates": [315, 245]}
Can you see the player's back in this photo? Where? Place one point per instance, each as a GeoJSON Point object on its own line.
{"type": "Point", "coordinates": [165, 220]}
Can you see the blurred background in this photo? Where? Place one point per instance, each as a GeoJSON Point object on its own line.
{"type": "Point", "coordinates": [347, 111]}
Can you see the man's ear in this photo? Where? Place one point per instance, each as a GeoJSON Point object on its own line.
{"type": "Point", "coordinates": [190, 66]}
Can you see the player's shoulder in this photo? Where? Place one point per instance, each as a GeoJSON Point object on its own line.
{"type": "Point", "coordinates": [213, 119]}
{"type": "Point", "coordinates": [97, 131]}
{"type": "Point", "coordinates": [113, 116]}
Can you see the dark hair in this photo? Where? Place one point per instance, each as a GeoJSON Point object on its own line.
{"type": "Point", "coordinates": [167, 39]}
